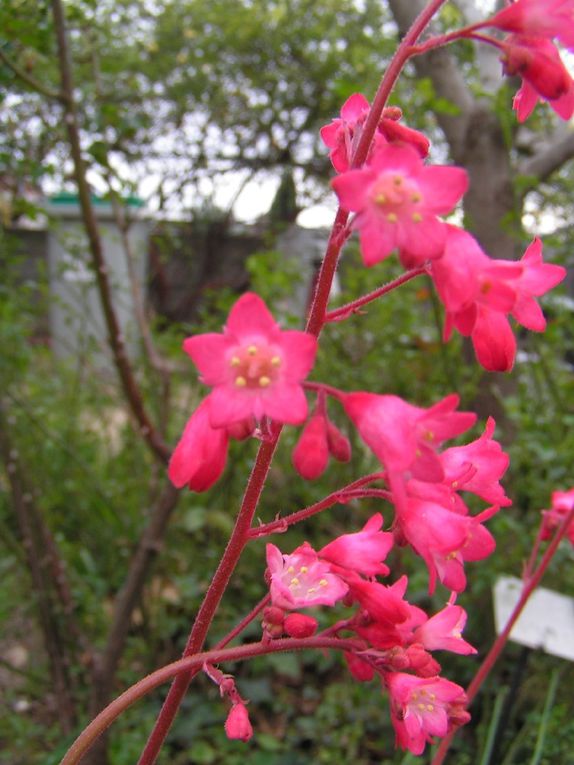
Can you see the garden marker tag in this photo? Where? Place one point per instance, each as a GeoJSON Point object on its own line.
{"type": "Point", "coordinates": [547, 621]}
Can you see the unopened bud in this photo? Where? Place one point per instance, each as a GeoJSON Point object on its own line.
{"type": "Point", "coordinates": [237, 725]}
{"type": "Point", "coordinates": [300, 625]}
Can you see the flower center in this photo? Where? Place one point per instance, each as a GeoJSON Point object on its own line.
{"type": "Point", "coordinates": [396, 196]}
{"type": "Point", "coordinates": [254, 366]}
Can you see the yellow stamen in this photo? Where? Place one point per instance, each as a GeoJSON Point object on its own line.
{"type": "Point", "coordinates": [290, 570]}
{"type": "Point", "coordinates": [416, 217]}
{"type": "Point", "coordinates": [392, 218]}
{"type": "Point", "coordinates": [276, 361]}
{"type": "Point", "coordinates": [398, 180]}
{"type": "Point", "coordinates": [416, 197]}
{"type": "Point", "coordinates": [235, 361]}
{"type": "Point", "coordinates": [295, 581]}
{"type": "Point", "coordinates": [264, 381]}
{"type": "Point", "coordinates": [430, 707]}
{"type": "Point", "coordinates": [241, 382]}
{"type": "Point", "coordinates": [323, 582]}
{"type": "Point", "coordinates": [380, 199]}
{"type": "Point", "coordinates": [252, 350]}
{"type": "Point", "coordinates": [304, 569]}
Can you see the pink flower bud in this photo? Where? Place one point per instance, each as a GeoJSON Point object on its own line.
{"type": "Point", "coordinates": [237, 725]}
{"type": "Point", "coordinates": [311, 455]}
{"type": "Point", "coordinates": [339, 445]}
{"type": "Point", "coordinates": [300, 625]}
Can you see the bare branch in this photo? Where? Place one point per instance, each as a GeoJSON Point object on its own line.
{"type": "Point", "coordinates": [550, 158]}
{"type": "Point", "coordinates": [115, 337]}
{"type": "Point", "coordinates": [31, 81]}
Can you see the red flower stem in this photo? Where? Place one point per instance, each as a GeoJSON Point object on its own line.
{"type": "Point", "coordinates": [183, 667]}
{"type": "Point", "coordinates": [329, 390]}
{"type": "Point", "coordinates": [338, 314]}
{"type": "Point", "coordinates": [526, 574]}
{"type": "Point", "coordinates": [498, 645]}
{"type": "Point", "coordinates": [246, 621]}
{"type": "Point", "coordinates": [315, 323]}
{"type": "Point", "coordinates": [343, 495]}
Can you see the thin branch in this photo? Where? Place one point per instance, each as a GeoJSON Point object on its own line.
{"type": "Point", "coordinates": [550, 158]}
{"type": "Point", "coordinates": [31, 81]}
{"type": "Point", "coordinates": [183, 667]}
{"type": "Point", "coordinates": [115, 336]}
{"type": "Point", "coordinates": [148, 547]}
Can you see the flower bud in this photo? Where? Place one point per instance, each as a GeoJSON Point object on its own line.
{"type": "Point", "coordinates": [300, 625]}
{"type": "Point", "coordinates": [311, 455]}
{"type": "Point", "coordinates": [237, 725]}
{"type": "Point", "coordinates": [339, 445]}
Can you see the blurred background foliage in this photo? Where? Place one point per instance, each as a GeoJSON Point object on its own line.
{"type": "Point", "coordinates": [244, 87]}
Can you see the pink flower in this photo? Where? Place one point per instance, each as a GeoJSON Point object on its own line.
{"type": "Point", "coordinates": [478, 467]}
{"type": "Point", "coordinates": [254, 367]}
{"type": "Point", "coordinates": [385, 605]}
{"type": "Point", "coordinates": [403, 436]}
{"type": "Point", "coordinates": [362, 551]}
{"type": "Point", "coordinates": [544, 76]}
{"type": "Point", "coordinates": [342, 134]}
{"type": "Point", "coordinates": [199, 458]}
{"type": "Point", "coordinates": [479, 292]}
{"type": "Point", "coordinates": [237, 725]}
{"type": "Point", "coordinates": [444, 539]}
{"type": "Point", "coordinates": [443, 631]}
{"type": "Point", "coordinates": [562, 503]}
{"type": "Point", "coordinates": [397, 199]}
{"type": "Point", "coordinates": [424, 707]}
{"type": "Point", "coordinates": [537, 18]}
{"type": "Point", "coordinates": [301, 580]}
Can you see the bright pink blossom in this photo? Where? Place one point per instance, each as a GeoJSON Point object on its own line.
{"type": "Point", "coordinates": [254, 367]}
{"type": "Point", "coordinates": [444, 539]}
{"type": "Point", "coordinates": [384, 605]}
{"type": "Point", "coordinates": [397, 199]}
{"type": "Point", "coordinates": [537, 18]}
{"type": "Point", "coordinates": [301, 580]}
{"type": "Point", "coordinates": [422, 708]}
{"type": "Point", "coordinates": [544, 76]}
{"type": "Point", "coordinates": [237, 725]}
{"type": "Point", "coordinates": [342, 134]}
{"type": "Point", "coordinates": [443, 631]}
{"type": "Point", "coordinates": [403, 436]}
{"type": "Point", "coordinates": [199, 458]}
{"type": "Point", "coordinates": [479, 293]}
{"type": "Point", "coordinates": [362, 551]}
{"type": "Point", "coordinates": [562, 504]}
{"type": "Point", "coordinates": [478, 467]}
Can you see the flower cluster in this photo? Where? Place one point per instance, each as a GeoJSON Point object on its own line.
{"type": "Point", "coordinates": [396, 637]}
{"type": "Point", "coordinates": [397, 200]}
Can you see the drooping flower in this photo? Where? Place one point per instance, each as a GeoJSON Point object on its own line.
{"type": "Point", "coordinates": [403, 436]}
{"type": "Point", "coordinates": [544, 77]}
{"type": "Point", "coordinates": [301, 580]}
{"type": "Point", "coordinates": [254, 367]}
{"type": "Point", "coordinates": [199, 458]}
{"type": "Point", "coordinates": [362, 551]}
{"type": "Point", "coordinates": [478, 467]}
{"type": "Point", "coordinates": [424, 707]}
{"type": "Point", "coordinates": [443, 631]}
{"type": "Point", "coordinates": [397, 200]}
{"type": "Point", "coordinates": [479, 293]}
{"type": "Point", "coordinates": [537, 18]}
{"type": "Point", "coordinates": [237, 726]}
{"type": "Point", "coordinates": [444, 539]}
